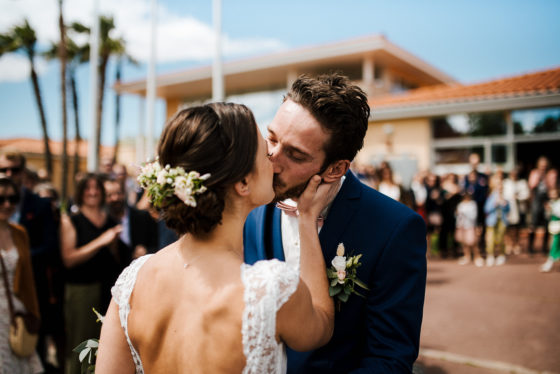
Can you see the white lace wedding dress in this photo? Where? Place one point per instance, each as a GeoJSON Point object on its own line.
{"type": "Point", "coordinates": [268, 285]}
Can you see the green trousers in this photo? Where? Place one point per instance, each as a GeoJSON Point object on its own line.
{"type": "Point", "coordinates": [80, 321]}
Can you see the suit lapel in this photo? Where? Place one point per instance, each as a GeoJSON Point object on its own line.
{"type": "Point", "coordinates": [343, 208]}
{"type": "Point", "coordinates": [276, 233]}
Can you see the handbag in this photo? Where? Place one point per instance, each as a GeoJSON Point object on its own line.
{"type": "Point", "coordinates": [24, 327]}
{"type": "Point", "coordinates": [554, 227]}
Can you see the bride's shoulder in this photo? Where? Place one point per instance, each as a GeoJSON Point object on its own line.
{"type": "Point", "coordinates": [273, 278]}
{"type": "Point", "coordinates": [270, 268]}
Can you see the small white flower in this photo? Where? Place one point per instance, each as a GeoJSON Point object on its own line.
{"type": "Point", "coordinates": [204, 177]}
{"type": "Point", "coordinates": [170, 180]}
{"type": "Point", "coordinates": [161, 177]}
{"type": "Point", "coordinates": [339, 263]}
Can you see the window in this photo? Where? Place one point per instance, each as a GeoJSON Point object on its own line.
{"type": "Point", "coordinates": [457, 155]}
{"type": "Point", "coordinates": [469, 125]}
{"type": "Point", "coordinates": [536, 121]}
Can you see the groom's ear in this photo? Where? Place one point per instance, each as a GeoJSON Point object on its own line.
{"type": "Point", "coordinates": [335, 171]}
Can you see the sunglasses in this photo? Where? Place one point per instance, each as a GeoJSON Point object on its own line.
{"type": "Point", "coordinates": [12, 199]}
{"type": "Point", "coordinates": [13, 169]}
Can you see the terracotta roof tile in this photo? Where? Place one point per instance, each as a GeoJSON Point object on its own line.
{"type": "Point", "coordinates": [538, 83]}
{"type": "Point", "coordinates": [29, 145]}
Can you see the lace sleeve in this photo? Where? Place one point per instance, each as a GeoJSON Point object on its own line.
{"type": "Point", "coordinates": [268, 285]}
{"type": "Point", "coordinates": [121, 292]}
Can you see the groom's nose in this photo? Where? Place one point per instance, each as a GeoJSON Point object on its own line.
{"type": "Point", "coordinates": [274, 156]}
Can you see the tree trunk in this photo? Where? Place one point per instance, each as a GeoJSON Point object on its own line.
{"type": "Point", "coordinates": [62, 57]}
{"type": "Point", "coordinates": [117, 112]}
{"type": "Point", "coordinates": [39, 100]}
{"type": "Point", "coordinates": [77, 138]}
{"type": "Point", "coordinates": [102, 69]}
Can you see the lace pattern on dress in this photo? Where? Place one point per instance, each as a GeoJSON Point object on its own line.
{"type": "Point", "coordinates": [268, 285]}
{"type": "Point", "coordinates": [121, 292]}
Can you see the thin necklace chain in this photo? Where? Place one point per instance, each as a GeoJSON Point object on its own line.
{"type": "Point", "coordinates": [186, 264]}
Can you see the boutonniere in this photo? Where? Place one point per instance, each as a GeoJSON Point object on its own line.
{"type": "Point", "coordinates": [342, 276]}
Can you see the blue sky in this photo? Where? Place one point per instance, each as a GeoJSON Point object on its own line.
{"type": "Point", "coordinates": [469, 40]}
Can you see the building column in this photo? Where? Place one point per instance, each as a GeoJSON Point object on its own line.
{"type": "Point", "coordinates": [291, 78]}
{"type": "Point", "coordinates": [368, 68]}
{"type": "Point", "coordinates": [510, 146]}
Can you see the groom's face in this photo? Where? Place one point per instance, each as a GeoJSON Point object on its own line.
{"type": "Point", "coordinates": [296, 143]}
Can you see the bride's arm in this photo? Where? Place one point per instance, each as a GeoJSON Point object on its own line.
{"type": "Point", "coordinates": [114, 354]}
{"type": "Point", "coordinates": [306, 321]}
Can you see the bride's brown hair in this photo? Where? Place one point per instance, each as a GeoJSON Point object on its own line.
{"type": "Point", "coordinates": [218, 138]}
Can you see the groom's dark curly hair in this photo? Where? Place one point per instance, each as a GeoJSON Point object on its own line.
{"type": "Point", "coordinates": [340, 107]}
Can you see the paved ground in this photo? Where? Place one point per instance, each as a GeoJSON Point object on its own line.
{"type": "Point", "coordinates": [491, 320]}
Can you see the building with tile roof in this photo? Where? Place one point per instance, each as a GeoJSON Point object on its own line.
{"type": "Point", "coordinates": [421, 117]}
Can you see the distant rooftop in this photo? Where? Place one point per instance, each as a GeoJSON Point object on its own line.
{"type": "Point", "coordinates": [534, 89]}
{"type": "Point", "coordinates": [271, 71]}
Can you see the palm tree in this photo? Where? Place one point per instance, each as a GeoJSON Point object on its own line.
{"type": "Point", "coordinates": [22, 38]}
{"type": "Point", "coordinates": [123, 57]}
{"type": "Point", "coordinates": [62, 57]}
{"type": "Point", "coordinates": [75, 55]}
{"type": "Point", "coordinates": [108, 46]}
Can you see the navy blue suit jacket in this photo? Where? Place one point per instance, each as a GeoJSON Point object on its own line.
{"type": "Point", "coordinates": [378, 334]}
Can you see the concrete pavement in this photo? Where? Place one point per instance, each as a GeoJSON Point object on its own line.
{"type": "Point", "coordinates": [491, 320]}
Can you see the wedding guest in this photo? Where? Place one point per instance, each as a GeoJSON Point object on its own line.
{"type": "Point", "coordinates": [465, 232]}
{"type": "Point", "coordinates": [36, 215]}
{"type": "Point", "coordinates": [434, 204]}
{"type": "Point", "coordinates": [16, 258]}
{"type": "Point", "coordinates": [516, 192]}
{"type": "Point", "coordinates": [451, 198]}
{"type": "Point", "coordinates": [139, 235]}
{"type": "Point", "coordinates": [196, 306]}
{"type": "Point", "coordinates": [476, 183]}
{"type": "Point", "coordinates": [496, 209]}
{"type": "Point", "coordinates": [541, 179]}
{"type": "Point", "coordinates": [89, 253]}
{"type": "Point", "coordinates": [553, 229]}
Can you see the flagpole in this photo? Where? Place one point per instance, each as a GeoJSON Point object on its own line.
{"type": "Point", "coordinates": [218, 93]}
{"type": "Point", "coordinates": [151, 84]}
{"type": "Point", "coordinates": [93, 152]}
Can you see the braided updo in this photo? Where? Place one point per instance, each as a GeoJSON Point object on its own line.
{"type": "Point", "coordinates": [218, 138]}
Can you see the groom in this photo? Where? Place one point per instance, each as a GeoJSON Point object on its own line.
{"type": "Point", "coordinates": [318, 129]}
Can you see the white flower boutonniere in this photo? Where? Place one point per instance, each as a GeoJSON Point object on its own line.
{"type": "Point", "coordinates": [342, 276]}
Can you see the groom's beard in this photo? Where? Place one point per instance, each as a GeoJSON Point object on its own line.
{"type": "Point", "coordinates": [290, 193]}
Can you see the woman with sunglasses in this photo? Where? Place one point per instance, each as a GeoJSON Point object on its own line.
{"type": "Point", "coordinates": [14, 249]}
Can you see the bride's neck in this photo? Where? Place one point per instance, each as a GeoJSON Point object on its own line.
{"type": "Point", "coordinates": [226, 236]}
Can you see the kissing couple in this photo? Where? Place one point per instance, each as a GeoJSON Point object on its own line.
{"type": "Point", "coordinates": [245, 288]}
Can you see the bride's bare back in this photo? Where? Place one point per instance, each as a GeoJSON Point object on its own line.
{"type": "Point", "coordinates": [188, 318]}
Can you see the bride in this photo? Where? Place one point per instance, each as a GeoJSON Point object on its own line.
{"type": "Point", "coordinates": [194, 306]}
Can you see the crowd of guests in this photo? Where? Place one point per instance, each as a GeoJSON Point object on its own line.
{"type": "Point", "coordinates": [481, 217]}
{"type": "Point", "coordinates": [62, 261]}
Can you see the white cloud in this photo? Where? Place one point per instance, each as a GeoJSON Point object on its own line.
{"type": "Point", "coordinates": [179, 37]}
{"type": "Point", "coordinates": [15, 68]}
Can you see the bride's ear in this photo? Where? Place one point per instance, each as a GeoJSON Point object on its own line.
{"type": "Point", "coordinates": [335, 171]}
{"type": "Point", "coordinates": [242, 187]}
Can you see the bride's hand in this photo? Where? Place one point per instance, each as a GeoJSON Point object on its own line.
{"type": "Point", "coordinates": [315, 197]}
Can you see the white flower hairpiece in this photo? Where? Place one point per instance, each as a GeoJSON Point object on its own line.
{"type": "Point", "coordinates": [164, 182]}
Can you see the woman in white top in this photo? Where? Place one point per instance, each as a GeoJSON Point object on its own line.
{"type": "Point", "coordinates": [194, 307]}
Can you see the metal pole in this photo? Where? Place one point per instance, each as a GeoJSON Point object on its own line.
{"type": "Point", "coordinates": [151, 85]}
{"type": "Point", "coordinates": [140, 139]}
{"type": "Point", "coordinates": [217, 73]}
{"type": "Point", "coordinates": [93, 154]}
